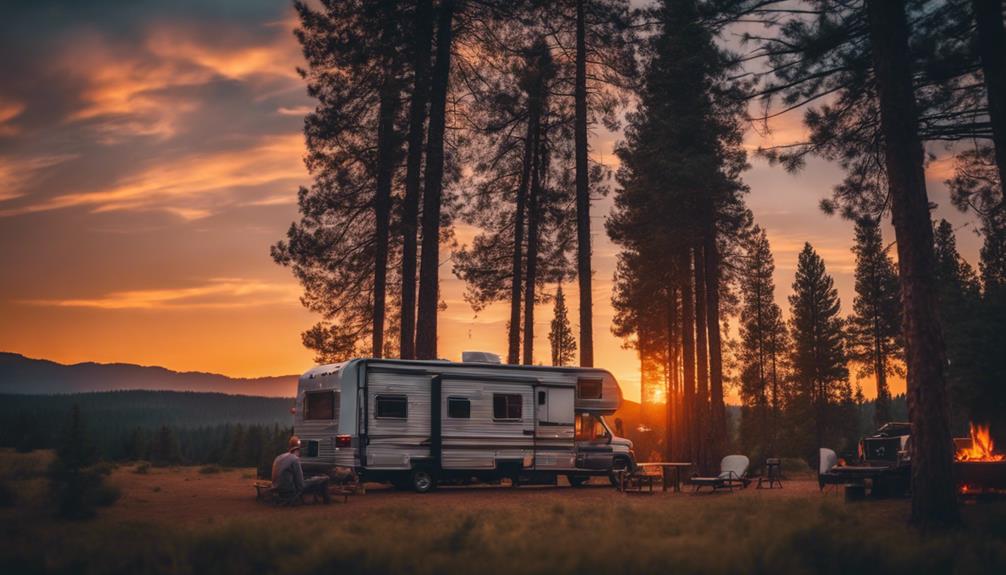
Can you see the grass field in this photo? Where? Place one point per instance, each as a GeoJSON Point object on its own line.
{"type": "Point", "coordinates": [179, 520]}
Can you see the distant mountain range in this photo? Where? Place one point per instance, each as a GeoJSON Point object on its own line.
{"type": "Point", "coordinates": [25, 375]}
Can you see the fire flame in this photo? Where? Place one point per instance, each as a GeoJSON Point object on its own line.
{"type": "Point", "coordinates": [981, 448]}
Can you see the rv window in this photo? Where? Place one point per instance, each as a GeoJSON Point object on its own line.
{"type": "Point", "coordinates": [541, 398]}
{"type": "Point", "coordinates": [507, 406]}
{"type": "Point", "coordinates": [459, 408]}
{"type": "Point", "coordinates": [589, 388]}
{"type": "Point", "coordinates": [321, 405]}
{"type": "Point", "coordinates": [392, 406]}
{"type": "Point", "coordinates": [588, 428]}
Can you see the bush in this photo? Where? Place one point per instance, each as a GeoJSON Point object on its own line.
{"type": "Point", "coordinates": [210, 469]}
{"type": "Point", "coordinates": [106, 495]}
{"type": "Point", "coordinates": [104, 468]}
{"type": "Point", "coordinates": [142, 468]}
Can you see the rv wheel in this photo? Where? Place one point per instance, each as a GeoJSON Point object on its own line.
{"type": "Point", "coordinates": [618, 466]}
{"type": "Point", "coordinates": [423, 480]}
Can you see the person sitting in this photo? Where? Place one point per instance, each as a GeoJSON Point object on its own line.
{"type": "Point", "coordinates": [288, 477]}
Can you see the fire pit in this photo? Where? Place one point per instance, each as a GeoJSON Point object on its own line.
{"type": "Point", "coordinates": [979, 468]}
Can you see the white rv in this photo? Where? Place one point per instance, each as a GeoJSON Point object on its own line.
{"type": "Point", "coordinates": [419, 423]}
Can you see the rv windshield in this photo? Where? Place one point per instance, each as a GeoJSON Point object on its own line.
{"type": "Point", "coordinates": [589, 427]}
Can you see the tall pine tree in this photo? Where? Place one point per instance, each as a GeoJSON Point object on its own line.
{"type": "Point", "coordinates": [818, 356]}
{"type": "Point", "coordinates": [762, 347]}
{"type": "Point", "coordinates": [561, 334]}
{"type": "Point", "coordinates": [874, 328]}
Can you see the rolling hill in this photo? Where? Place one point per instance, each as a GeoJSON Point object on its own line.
{"type": "Point", "coordinates": [25, 375]}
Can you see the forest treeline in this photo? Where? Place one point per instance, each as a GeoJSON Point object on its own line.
{"type": "Point", "coordinates": [163, 427]}
{"type": "Point", "coordinates": [434, 113]}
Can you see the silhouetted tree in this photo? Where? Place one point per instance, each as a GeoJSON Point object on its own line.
{"type": "Point", "coordinates": [561, 334]}
{"type": "Point", "coordinates": [429, 267]}
{"type": "Point", "coordinates": [340, 248]}
{"type": "Point", "coordinates": [874, 329]}
{"type": "Point", "coordinates": [763, 346]}
{"type": "Point", "coordinates": [818, 357]}
{"type": "Point", "coordinates": [77, 486]}
{"type": "Point", "coordinates": [165, 448]}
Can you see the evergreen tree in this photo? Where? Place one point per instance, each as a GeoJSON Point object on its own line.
{"type": "Point", "coordinates": [958, 291]}
{"type": "Point", "coordinates": [77, 486]}
{"type": "Point", "coordinates": [762, 346]}
{"type": "Point", "coordinates": [521, 196]}
{"type": "Point", "coordinates": [429, 265]}
{"type": "Point", "coordinates": [818, 356]}
{"type": "Point", "coordinates": [165, 448]}
{"type": "Point", "coordinates": [874, 329]}
{"type": "Point", "coordinates": [679, 210]}
{"type": "Point", "coordinates": [561, 334]}
{"type": "Point", "coordinates": [340, 248]}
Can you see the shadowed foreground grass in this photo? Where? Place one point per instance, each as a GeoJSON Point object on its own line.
{"type": "Point", "coordinates": [544, 532]}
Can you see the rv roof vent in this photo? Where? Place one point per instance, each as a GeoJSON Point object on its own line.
{"type": "Point", "coordinates": [479, 357]}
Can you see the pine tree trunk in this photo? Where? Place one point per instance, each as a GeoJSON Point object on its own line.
{"type": "Point", "coordinates": [701, 411]}
{"type": "Point", "coordinates": [992, 52]}
{"type": "Point", "coordinates": [517, 262]}
{"type": "Point", "coordinates": [413, 173]}
{"type": "Point", "coordinates": [671, 367]}
{"type": "Point", "coordinates": [718, 411]}
{"type": "Point", "coordinates": [583, 193]}
{"type": "Point", "coordinates": [688, 358]}
{"type": "Point", "coordinates": [934, 499]}
{"type": "Point", "coordinates": [532, 247]}
{"type": "Point", "coordinates": [386, 144]}
{"type": "Point", "coordinates": [429, 281]}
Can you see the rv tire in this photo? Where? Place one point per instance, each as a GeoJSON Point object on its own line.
{"type": "Point", "coordinates": [620, 464]}
{"type": "Point", "coordinates": [423, 479]}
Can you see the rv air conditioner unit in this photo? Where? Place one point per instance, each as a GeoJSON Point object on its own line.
{"type": "Point", "coordinates": [479, 357]}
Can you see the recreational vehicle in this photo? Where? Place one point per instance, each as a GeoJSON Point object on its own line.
{"type": "Point", "coordinates": [419, 423]}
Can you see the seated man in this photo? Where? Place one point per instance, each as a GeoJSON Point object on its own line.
{"type": "Point", "coordinates": [288, 476]}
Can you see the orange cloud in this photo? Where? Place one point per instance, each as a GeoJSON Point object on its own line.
{"type": "Point", "coordinates": [14, 174]}
{"type": "Point", "coordinates": [8, 112]}
{"type": "Point", "coordinates": [217, 293]}
{"type": "Point", "coordinates": [174, 186]}
{"type": "Point", "coordinates": [125, 90]}
{"type": "Point", "coordinates": [234, 62]}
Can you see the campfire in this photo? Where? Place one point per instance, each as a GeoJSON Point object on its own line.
{"type": "Point", "coordinates": [980, 470]}
{"type": "Point", "coordinates": [980, 448]}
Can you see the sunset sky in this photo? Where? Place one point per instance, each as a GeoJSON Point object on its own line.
{"type": "Point", "coordinates": [150, 154]}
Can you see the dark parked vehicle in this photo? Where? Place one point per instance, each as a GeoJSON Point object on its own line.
{"type": "Point", "coordinates": [884, 462]}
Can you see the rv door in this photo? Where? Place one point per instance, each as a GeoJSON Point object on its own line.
{"type": "Point", "coordinates": [553, 412]}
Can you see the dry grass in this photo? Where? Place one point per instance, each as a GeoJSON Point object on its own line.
{"type": "Point", "coordinates": [200, 523]}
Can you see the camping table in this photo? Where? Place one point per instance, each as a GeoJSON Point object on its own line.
{"type": "Point", "coordinates": [666, 466]}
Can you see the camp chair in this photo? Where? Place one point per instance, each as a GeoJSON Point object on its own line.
{"type": "Point", "coordinates": [828, 459]}
{"type": "Point", "coordinates": [733, 472]}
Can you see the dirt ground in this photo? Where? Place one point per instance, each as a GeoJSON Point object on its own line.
{"type": "Point", "coordinates": [184, 520]}
{"type": "Point", "coordinates": [184, 496]}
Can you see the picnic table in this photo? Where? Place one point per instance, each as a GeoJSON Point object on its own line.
{"type": "Point", "coordinates": [665, 468]}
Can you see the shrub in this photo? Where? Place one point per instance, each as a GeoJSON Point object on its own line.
{"type": "Point", "coordinates": [106, 495]}
{"type": "Point", "coordinates": [142, 468]}
{"type": "Point", "coordinates": [104, 467]}
{"type": "Point", "coordinates": [210, 469]}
